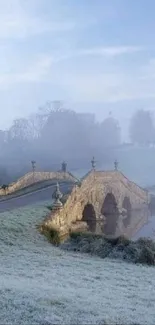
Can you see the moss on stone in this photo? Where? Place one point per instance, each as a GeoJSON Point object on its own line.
{"type": "Point", "coordinates": [52, 234]}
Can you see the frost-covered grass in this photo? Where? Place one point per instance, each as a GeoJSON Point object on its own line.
{"type": "Point", "coordinates": [41, 284]}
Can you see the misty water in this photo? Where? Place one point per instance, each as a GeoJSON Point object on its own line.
{"type": "Point", "coordinates": [42, 284]}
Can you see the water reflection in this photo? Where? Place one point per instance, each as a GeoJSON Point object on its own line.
{"type": "Point", "coordinates": [141, 224]}
{"type": "Point", "coordinates": [148, 230]}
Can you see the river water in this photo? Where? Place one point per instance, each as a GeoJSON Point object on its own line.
{"type": "Point", "coordinates": [41, 284]}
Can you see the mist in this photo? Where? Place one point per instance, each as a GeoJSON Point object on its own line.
{"type": "Point", "coordinates": [77, 97]}
{"type": "Point", "coordinates": [102, 71]}
{"type": "Point", "coordinates": [56, 133]}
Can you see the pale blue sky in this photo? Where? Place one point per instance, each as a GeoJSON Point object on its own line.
{"type": "Point", "coordinates": [93, 54]}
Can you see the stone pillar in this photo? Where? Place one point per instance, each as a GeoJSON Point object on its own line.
{"type": "Point", "coordinates": [93, 163]}
{"type": "Point", "coordinates": [64, 167]}
{"type": "Point", "coordinates": [33, 162]}
{"type": "Point", "coordinates": [116, 165]}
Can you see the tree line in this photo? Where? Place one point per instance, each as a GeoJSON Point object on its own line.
{"type": "Point", "coordinates": [54, 134]}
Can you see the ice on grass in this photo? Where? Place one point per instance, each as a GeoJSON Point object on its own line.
{"type": "Point", "coordinates": [41, 284]}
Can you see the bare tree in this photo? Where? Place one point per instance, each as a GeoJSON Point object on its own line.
{"type": "Point", "coordinates": [110, 132]}
{"type": "Point", "coordinates": [142, 129]}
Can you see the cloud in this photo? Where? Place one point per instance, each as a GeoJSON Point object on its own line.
{"type": "Point", "coordinates": [22, 27]}
{"type": "Point", "coordinates": [34, 73]}
{"type": "Point", "coordinates": [16, 21]}
{"type": "Point", "coordinates": [87, 85]}
{"type": "Point", "coordinates": [107, 87]}
{"type": "Point", "coordinates": [110, 51]}
{"type": "Point", "coordinates": [40, 70]}
{"type": "Point", "coordinates": [148, 70]}
{"type": "Point", "coordinates": [85, 73]}
{"type": "Point", "coordinates": [105, 52]}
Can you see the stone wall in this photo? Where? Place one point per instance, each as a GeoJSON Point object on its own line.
{"type": "Point", "coordinates": [93, 190]}
{"type": "Point", "coordinates": [31, 178]}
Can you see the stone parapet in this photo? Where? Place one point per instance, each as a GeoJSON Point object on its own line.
{"type": "Point", "coordinates": [32, 178]}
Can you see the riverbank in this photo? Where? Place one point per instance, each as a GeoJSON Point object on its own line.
{"type": "Point", "coordinates": [137, 251]}
{"type": "Point", "coordinates": [141, 251]}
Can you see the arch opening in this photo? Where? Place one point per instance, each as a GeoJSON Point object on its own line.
{"type": "Point", "coordinates": [111, 213]}
{"type": "Point", "coordinates": [127, 206]}
{"type": "Point", "coordinates": [89, 216]}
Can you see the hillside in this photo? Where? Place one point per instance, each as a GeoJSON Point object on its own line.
{"type": "Point", "coordinates": [45, 285]}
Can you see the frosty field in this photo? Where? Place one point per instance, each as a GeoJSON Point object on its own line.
{"type": "Point", "coordinates": [41, 284]}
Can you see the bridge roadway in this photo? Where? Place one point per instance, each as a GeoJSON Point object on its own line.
{"type": "Point", "coordinates": [32, 198]}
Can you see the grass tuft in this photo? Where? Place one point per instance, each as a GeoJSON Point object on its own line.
{"type": "Point", "coordinates": [141, 251]}
{"type": "Point", "coordinates": [121, 240]}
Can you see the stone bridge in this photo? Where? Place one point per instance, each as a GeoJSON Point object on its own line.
{"type": "Point", "coordinates": [103, 203]}
{"type": "Point", "coordinates": [35, 177]}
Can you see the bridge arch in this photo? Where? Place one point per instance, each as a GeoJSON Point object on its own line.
{"type": "Point", "coordinates": [127, 206]}
{"type": "Point", "coordinates": [89, 216]}
{"type": "Point", "coordinates": [110, 212]}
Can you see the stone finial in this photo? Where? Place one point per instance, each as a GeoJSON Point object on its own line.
{"type": "Point", "coordinates": [57, 195]}
{"type": "Point", "coordinates": [64, 167]}
{"type": "Point", "coordinates": [79, 183]}
{"type": "Point", "coordinates": [33, 162]}
{"type": "Point", "coordinates": [116, 164]}
{"type": "Point", "coordinates": [93, 163]}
